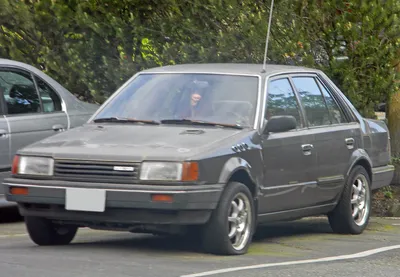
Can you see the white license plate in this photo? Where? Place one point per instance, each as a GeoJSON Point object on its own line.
{"type": "Point", "coordinates": [89, 200]}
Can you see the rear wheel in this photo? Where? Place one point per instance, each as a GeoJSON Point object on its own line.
{"type": "Point", "coordinates": [231, 226]}
{"type": "Point", "coordinates": [351, 215]}
{"type": "Point", "coordinates": [44, 232]}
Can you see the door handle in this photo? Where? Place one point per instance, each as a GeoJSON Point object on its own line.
{"type": "Point", "coordinates": [349, 143]}
{"type": "Point", "coordinates": [307, 149]}
{"type": "Point", "coordinates": [3, 133]}
{"type": "Point", "coordinates": [58, 128]}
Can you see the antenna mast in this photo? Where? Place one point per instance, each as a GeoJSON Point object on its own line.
{"type": "Point", "coordinates": [267, 40]}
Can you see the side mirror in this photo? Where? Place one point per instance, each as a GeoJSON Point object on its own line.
{"type": "Point", "coordinates": [277, 124]}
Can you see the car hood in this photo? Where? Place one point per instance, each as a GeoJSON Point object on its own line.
{"type": "Point", "coordinates": [131, 142]}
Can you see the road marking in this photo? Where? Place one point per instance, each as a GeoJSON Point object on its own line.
{"type": "Point", "coordinates": [10, 236]}
{"type": "Point", "coordinates": [327, 259]}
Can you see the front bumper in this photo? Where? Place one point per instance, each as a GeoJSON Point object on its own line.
{"type": "Point", "coordinates": [3, 202]}
{"type": "Point", "coordinates": [192, 204]}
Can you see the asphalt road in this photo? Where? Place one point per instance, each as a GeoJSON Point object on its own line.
{"type": "Point", "coordinates": [285, 249]}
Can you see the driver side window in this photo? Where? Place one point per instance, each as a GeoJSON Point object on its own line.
{"type": "Point", "coordinates": [282, 100]}
{"type": "Point", "coordinates": [19, 93]}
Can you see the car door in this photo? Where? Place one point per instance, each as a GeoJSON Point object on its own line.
{"type": "Point", "coordinates": [335, 136]}
{"type": "Point", "coordinates": [5, 165]}
{"type": "Point", "coordinates": [32, 108]}
{"type": "Point", "coordinates": [288, 157]}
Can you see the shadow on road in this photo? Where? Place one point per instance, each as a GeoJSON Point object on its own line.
{"type": "Point", "coordinates": [292, 228]}
{"type": "Point", "coordinates": [179, 244]}
{"type": "Point", "coordinates": [9, 215]}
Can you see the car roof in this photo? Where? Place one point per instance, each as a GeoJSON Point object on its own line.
{"type": "Point", "coordinates": [230, 68]}
{"type": "Point", "coordinates": [65, 94]}
{"type": "Point", "coordinates": [16, 63]}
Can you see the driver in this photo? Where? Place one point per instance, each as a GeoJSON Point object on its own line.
{"type": "Point", "coordinates": [194, 101]}
{"type": "Point", "coordinates": [193, 109]}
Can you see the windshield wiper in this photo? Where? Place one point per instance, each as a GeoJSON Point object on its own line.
{"type": "Point", "coordinates": [125, 120]}
{"type": "Point", "coordinates": [199, 122]}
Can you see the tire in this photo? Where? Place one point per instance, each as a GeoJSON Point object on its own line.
{"type": "Point", "coordinates": [341, 219]}
{"type": "Point", "coordinates": [44, 232]}
{"type": "Point", "coordinates": [215, 233]}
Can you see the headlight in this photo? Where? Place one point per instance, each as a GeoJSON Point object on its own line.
{"type": "Point", "coordinates": [26, 165]}
{"type": "Point", "coordinates": [169, 171]}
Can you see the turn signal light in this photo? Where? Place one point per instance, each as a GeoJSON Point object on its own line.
{"type": "Point", "coordinates": [19, 191]}
{"type": "Point", "coordinates": [190, 171]}
{"type": "Point", "coordinates": [14, 169]}
{"type": "Point", "coordinates": [162, 198]}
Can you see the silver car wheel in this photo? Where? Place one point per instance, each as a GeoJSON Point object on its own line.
{"type": "Point", "coordinates": [360, 196]}
{"type": "Point", "coordinates": [240, 221]}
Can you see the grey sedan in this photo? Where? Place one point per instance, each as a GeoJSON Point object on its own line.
{"type": "Point", "coordinates": [212, 150]}
{"type": "Point", "coordinates": [33, 106]}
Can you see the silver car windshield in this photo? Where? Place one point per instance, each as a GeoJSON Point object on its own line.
{"type": "Point", "coordinates": [224, 99]}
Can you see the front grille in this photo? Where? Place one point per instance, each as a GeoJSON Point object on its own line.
{"type": "Point", "coordinates": [95, 171]}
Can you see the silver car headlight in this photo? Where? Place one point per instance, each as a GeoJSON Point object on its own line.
{"type": "Point", "coordinates": [169, 171]}
{"type": "Point", "coordinates": [26, 165]}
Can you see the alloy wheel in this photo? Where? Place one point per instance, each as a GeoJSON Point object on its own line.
{"type": "Point", "coordinates": [240, 221]}
{"type": "Point", "coordinates": [360, 196]}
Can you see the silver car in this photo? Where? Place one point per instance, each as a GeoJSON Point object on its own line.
{"type": "Point", "coordinates": [33, 106]}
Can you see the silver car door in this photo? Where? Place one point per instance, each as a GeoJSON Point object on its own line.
{"type": "Point", "coordinates": [32, 111]}
{"type": "Point", "coordinates": [5, 163]}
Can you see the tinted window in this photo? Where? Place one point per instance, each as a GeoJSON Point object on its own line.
{"type": "Point", "coordinates": [50, 100]}
{"type": "Point", "coordinates": [210, 97]}
{"type": "Point", "coordinates": [314, 104]}
{"type": "Point", "coordinates": [19, 92]}
{"type": "Point", "coordinates": [337, 115]}
{"type": "Point", "coordinates": [282, 100]}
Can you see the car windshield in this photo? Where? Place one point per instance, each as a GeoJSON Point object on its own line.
{"type": "Point", "coordinates": [186, 98]}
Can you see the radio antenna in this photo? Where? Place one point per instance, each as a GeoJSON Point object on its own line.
{"type": "Point", "coordinates": [267, 40]}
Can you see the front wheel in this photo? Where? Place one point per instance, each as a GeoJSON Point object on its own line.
{"type": "Point", "coordinates": [42, 231]}
{"type": "Point", "coordinates": [351, 215]}
{"type": "Point", "coordinates": [231, 226]}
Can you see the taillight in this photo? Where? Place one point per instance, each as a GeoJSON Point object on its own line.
{"type": "Point", "coordinates": [14, 169]}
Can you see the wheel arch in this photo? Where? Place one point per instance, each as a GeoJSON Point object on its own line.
{"type": "Point", "coordinates": [360, 157]}
{"type": "Point", "coordinates": [242, 176]}
{"type": "Point", "coordinates": [366, 164]}
{"type": "Point", "coordinates": [237, 169]}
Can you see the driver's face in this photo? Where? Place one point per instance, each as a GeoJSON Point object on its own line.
{"type": "Point", "coordinates": [195, 98]}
